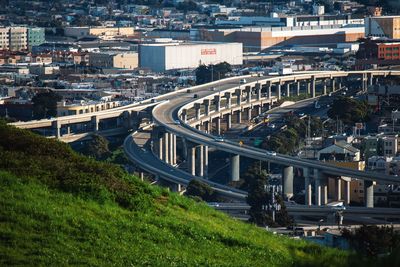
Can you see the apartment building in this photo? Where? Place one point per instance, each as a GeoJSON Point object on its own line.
{"type": "Point", "coordinates": [21, 38]}
{"type": "Point", "coordinates": [4, 38]}
{"type": "Point", "coordinates": [18, 39]}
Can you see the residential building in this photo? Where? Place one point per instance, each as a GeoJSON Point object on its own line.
{"type": "Point", "coordinates": [79, 32]}
{"type": "Point", "coordinates": [18, 39]}
{"type": "Point", "coordinates": [36, 36]}
{"type": "Point", "coordinates": [4, 38]}
{"type": "Point", "coordinates": [339, 151]}
{"type": "Point", "coordinates": [391, 145]}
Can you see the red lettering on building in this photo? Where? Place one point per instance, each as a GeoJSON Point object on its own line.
{"type": "Point", "coordinates": [209, 51]}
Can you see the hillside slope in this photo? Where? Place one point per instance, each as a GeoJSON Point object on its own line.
{"type": "Point", "coordinates": [60, 208]}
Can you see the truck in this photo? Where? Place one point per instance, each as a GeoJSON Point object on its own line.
{"type": "Point", "coordinates": [285, 71]}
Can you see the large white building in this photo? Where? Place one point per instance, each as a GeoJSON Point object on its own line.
{"type": "Point", "coordinates": [160, 57]}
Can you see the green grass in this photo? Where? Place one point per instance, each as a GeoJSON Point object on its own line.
{"type": "Point", "coordinates": [58, 208]}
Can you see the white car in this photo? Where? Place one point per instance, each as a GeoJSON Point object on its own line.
{"type": "Point", "coordinates": [242, 81]}
{"type": "Point", "coordinates": [177, 122]}
{"type": "Point", "coordinates": [219, 139]}
{"type": "Point", "coordinates": [271, 153]}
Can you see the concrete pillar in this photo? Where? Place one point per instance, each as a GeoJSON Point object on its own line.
{"type": "Point", "coordinates": [269, 90]}
{"type": "Point", "coordinates": [258, 91]}
{"type": "Point", "coordinates": [95, 123]}
{"type": "Point", "coordinates": [287, 182]}
{"type": "Point", "coordinates": [238, 93]}
{"type": "Point", "coordinates": [191, 158]}
{"type": "Point", "coordinates": [218, 125]}
{"type": "Point", "coordinates": [259, 109]}
{"type": "Point", "coordinates": [160, 147]}
{"type": "Point", "coordinates": [166, 147]}
{"type": "Point", "coordinates": [239, 116]}
{"type": "Point", "coordinates": [176, 187]}
{"type": "Point", "coordinates": [248, 94]}
{"type": "Point", "coordinates": [370, 79]}
{"type": "Point", "coordinates": [228, 121]}
{"type": "Point", "coordinates": [324, 189]}
{"type": "Point", "coordinates": [68, 129]}
{"type": "Point", "coordinates": [298, 89]}
{"type": "Point", "coordinates": [206, 103]}
{"type": "Point", "coordinates": [56, 125]}
{"type": "Point", "coordinates": [317, 191]}
{"type": "Point", "coordinates": [205, 162]}
{"type": "Point", "coordinates": [141, 176]}
{"type": "Point", "coordinates": [307, 187]}
{"type": "Point", "coordinates": [325, 87]}
{"type": "Point", "coordinates": [308, 88]}
{"type": "Point", "coordinates": [228, 99]}
{"type": "Point", "coordinates": [369, 193]}
{"type": "Point", "coordinates": [278, 91]}
{"type": "Point", "coordinates": [287, 89]}
{"type": "Point", "coordinates": [347, 191]}
{"type": "Point", "coordinates": [171, 148]}
{"type": "Point", "coordinates": [217, 102]}
{"type": "Point", "coordinates": [313, 86]}
{"type": "Point", "coordinates": [207, 126]}
{"type": "Point", "coordinates": [184, 115]}
{"type": "Point", "coordinates": [333, 84]}
{"type": "Point", "coordinates": [174, 149]}
{"type": "Point", "coordinates": [248, 114]}
{"type": "Point", "coordinates": [234, 167]}
{"type": "Point", "coordinates": [339, 189]}
{"type": "Point", "coordinates": [197, 108]}
{"type": "Point", "coordinates": [199, 161]}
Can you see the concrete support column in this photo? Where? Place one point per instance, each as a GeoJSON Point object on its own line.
{"type": "Point", "coordinates": [278, 91]}
{"type": "Point", "coordinates": [313, 86]}
{"type": "Point", "coordinates": [258, 91]}
{"type": "Point", "coordinates": [56, 125]}
{"type": "Point", "coordinates": [347, 191]}
{"type": "Point", "coordinates": [248, 94]}
{"type": "Point", "coordinates": [184, 115]}
{"type": "Point", "coordinates": [308, 88]}
{"type": "Point", "coordinates": [317, 191]}
{"type": "Point", "coordinates": [206, 107]}
{"type": "Point", "coordinates": [171, 149]}
{"type": "Point", "coordinates": [239, 116]}
{"type": "Point", "coordinates": [370, 79]}
{"type": "Point", "coordinates": [205, 162]}
{"type": "Point", "coordinates": [298, 88]}
{"type": "Point", "coordinates": [174, 150]}
{"type": "Point", "coordinates": [218, 125]}
{"type": "Point", "coordinates": [333, 84]}
{"type": "Point", "coordinates": [68, 129]}
{"type": "Point", "coordinates": [197, 108]}
{"type": "Point", "coordinates": [176, 187]}
{"type": "Point", "coordinates": [269, 90]}
{"type": "Point", "coordinates": [238, 93]}
{"type": "Point", "coordinates": [325, 87]}
{"type": "Point", "coordinates": [369, 193]}
{"type": "Point", "coordinates": [248, 114]}
{"type": "Point", "coordinates": [228, 99]}
{"type": "Point", "coordinates": [166, 147]}
{"type": "Point", "coordinates": [207, 126]}
{"type": "Point", "coordinates": [259, 109]}
{"type": "Point", "coordinates": [191, 158]}
{"type": "Point", "coordinates": [234, 167]}
{"type": "Point", "coordinates": [324, 189]}
{"type": "Point", "coordinates": [338, 189]}
{"type": "Point", "coordinates": [287, 89]}
{"type": "Point", "coordinates": [95, 123]}
{"type": "Point", "coordinates": [307, 187]}
{"type": "Point", "coordinates": [217, 102]}
{"type": "Point", "coordinates": [287, 182]}
{"type": "Point", "coordinates": [199, 161]}
{"type": "Point", "coordinates": [160, 147]}
{"type": "Point", "coordinates": [228, 121]}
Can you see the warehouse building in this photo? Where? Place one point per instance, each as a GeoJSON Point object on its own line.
{"type": "Point", "coordinates": [160, 57]}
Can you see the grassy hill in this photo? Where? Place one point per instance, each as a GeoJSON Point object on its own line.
{"type": "Point", "coordinates": [60, 208]}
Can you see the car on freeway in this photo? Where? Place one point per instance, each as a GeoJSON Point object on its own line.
{"type": "Point", "coordinates": [271, 153]}
{"type": "Point", "coordinates": [242, 81]}
{"type": "Point", "coordinates": [212, 88]}
{"type": "Point", "coordinates": [177, 122]}
{"type": "Point", "coordinates": [195, 96]}
{"type": "Point", "coordinates": [188, 91]}
{"type": "Point", "coordinates": [219, 139]}
{"type": "Point", "coordinates": [154, 100]}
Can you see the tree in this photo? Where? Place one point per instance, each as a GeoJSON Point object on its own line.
{"type": "Point", "coordinates": [97, 147]}
{"type": "Point", "coordinates": [349, 110]}
{"type": "Point", "coordinates": [373, 240]}
{"type": "Point", "coordinates": [45, 104]}
{"type": "Point", "coordinates": [199, 189]}
{"type": "Point", "coordinates": [258, 195]}
{"type": "Point", "coordinates": [205, 74]}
